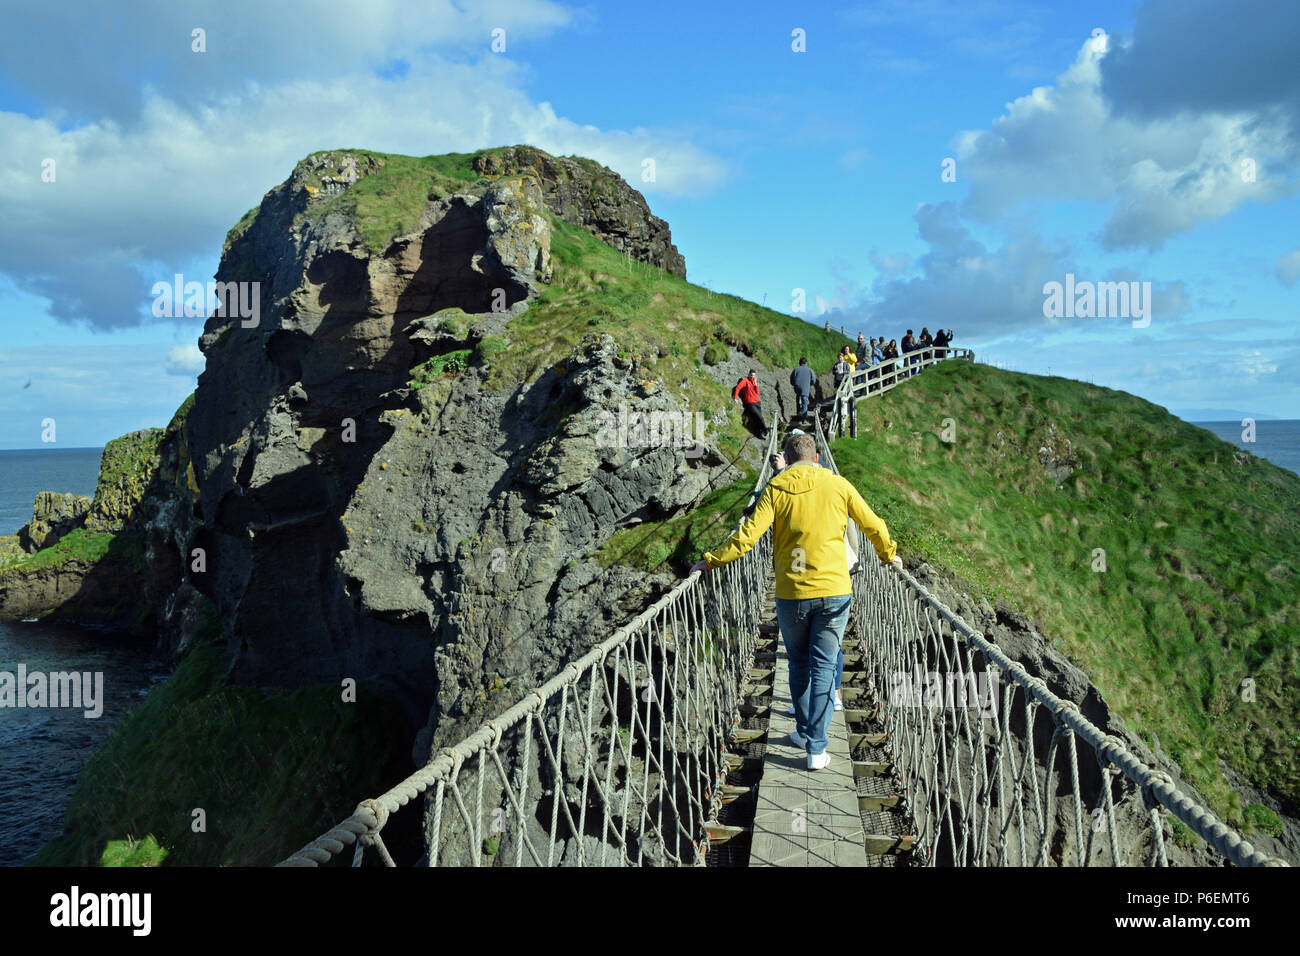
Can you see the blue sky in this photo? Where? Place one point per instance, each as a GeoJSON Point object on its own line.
{"type": "Point", "coordinates": [1104, 140]}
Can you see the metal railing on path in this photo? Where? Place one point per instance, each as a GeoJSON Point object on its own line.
{"type": "Point", "coordinates": [869, 381]}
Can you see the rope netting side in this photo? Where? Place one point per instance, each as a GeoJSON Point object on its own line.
{"type": "Point", "coordinates": [996, 769]}
{"type": "Point", "coordinates": [616, 760]}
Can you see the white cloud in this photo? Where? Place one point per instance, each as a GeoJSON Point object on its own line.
{"type": "Point", "coordinates": [1164, 175]}
{"type": "Point", "coordinates": [889, 265]}
{"type": "Point", "coordinates": [1255, 363]}
{"type": "Point", "coordinates": [90, 65]}
{"type": "Point", "coordinates": [1288, 267]}
{"type": "Point", "coordinates": [185, 360]}
{"type": "Point", "coordinates": [145, 192]}
{"type": "Point", "coordinates": [991, 289]}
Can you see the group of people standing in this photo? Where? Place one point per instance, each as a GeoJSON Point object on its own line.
{"type": "Point", "coordinates": [874, 351]}
{"type": "Point", "coordinates": [869, 352]}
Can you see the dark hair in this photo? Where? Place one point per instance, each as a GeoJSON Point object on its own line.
{"type": "Point", "coordinates": [909, 331]}
{"type": "Point", "coordinates": [752, 372]}
{"type": "Point", "coordinates": [802, 360]}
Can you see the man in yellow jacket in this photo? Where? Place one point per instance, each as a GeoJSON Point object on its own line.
{"type": "Point", "coordinates": [808, 509]}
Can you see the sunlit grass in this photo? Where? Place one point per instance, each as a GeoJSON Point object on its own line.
{"type": "Point", "coordinates": [1202, 555]}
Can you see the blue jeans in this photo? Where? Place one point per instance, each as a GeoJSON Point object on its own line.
{"type": "Point", "coordinates": [802, 402]}
{"type": "Point", "coordinates": [812, 629]}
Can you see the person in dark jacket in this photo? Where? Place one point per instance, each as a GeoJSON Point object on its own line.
{"type": "Point", "coordinates": [863, 350]}
{"type": "Point", "coordinates": [923, 343]}
{"type": "Point", "coordinates": [746, 392]}
{"type": "Point", "coordinates": [941, 340]}
{"type": "Point", "coordinates": [802, 378]}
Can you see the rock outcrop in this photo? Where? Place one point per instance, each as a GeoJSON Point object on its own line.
{"type": "Point", "coordinates": [53, 516]}
{"type": "Point", "coordinates": [585, 193]}
{"type": "Point", "coordinates": [114, 559]}
{"type": "Point", "coordinates": [429, 537]}
{"type": "Point", "coordinates": [98, 587]}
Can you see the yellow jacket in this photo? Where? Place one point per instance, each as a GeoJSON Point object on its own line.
{"type": "Point", "coordinates": [808, 508]}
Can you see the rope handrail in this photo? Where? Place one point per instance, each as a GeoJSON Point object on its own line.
{"type": "Point", "coordinates": [740, 583]}
{"type": "Point", "coordinates": [621, 758]}
{"type": "Point", "coordinates": [925, 767]}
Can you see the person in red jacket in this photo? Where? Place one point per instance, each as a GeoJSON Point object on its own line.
{"type": "Point", "coordinates": [746, 392]}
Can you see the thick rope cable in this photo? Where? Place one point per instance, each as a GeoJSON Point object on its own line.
{"type": "Point", "coordinates": [650, 792]}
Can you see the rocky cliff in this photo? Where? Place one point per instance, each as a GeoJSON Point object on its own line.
{"type": "Point", "coordinates": [53, 516]}
{"type": "Point", "coordinates": [114, 559]}
{"type": "Point", "coordinates": [426, 532]}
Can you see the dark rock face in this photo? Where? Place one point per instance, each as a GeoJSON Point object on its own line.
{"type": "Point", "coordinates": [430, 540]}
{"type": "Point", "coordinates": [590, 195]}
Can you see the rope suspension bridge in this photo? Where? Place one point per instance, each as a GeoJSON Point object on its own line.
{"type": "Point", "coordinates": [665, 743]}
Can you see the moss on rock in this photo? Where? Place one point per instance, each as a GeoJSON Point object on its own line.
{"type": "Point", "coordinates": [127, 467]}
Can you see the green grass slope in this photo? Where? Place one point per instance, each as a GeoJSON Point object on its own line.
{"type": "Point", "coordinates": [270, 770]}
{"type": "Point", "coordinates": [661, 323]}
{"type": "Point", "coordinates": [1201, 589]}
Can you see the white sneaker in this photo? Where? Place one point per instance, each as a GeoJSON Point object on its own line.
{"type": "Point", "coordinates": [819, 761]}
{"type": "Point", "coordinates": [798, 739]}
{"type": "Point", "coordinates": [839, 704]}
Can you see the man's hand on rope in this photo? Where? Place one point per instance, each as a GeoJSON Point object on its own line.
{"type": "Point", "coordinates": [897, 563]}
{"type": "Point", "coordinates": [701, 565]}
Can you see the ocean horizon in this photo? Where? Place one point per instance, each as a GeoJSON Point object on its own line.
{"type": "Point", "coordinates": [1276, 439]}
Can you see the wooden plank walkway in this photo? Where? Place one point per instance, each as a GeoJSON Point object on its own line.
{"type": "Point", "coordinates": [803, 817]}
